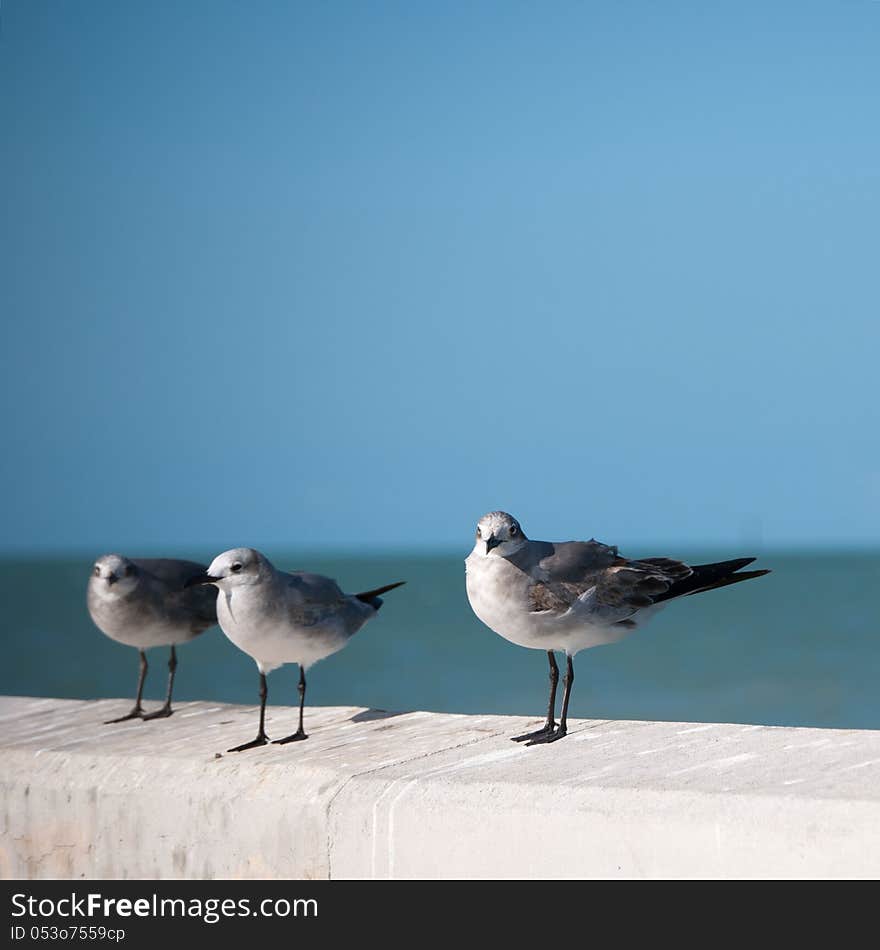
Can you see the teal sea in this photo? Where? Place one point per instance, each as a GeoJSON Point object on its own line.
{"type": "Point", "coordinates": [799, 647]}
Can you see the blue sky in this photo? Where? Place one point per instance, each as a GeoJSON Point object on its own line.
{"type": "Point", "coordinates": [349, 275]}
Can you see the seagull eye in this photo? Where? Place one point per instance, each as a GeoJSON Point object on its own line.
{"type": "Point", "coordinates": [235, 568]}
{"type": "Point", "coordinates": [129, 570]}
{"type": "Point", "coordinates": [513, 530]}
{"type": "Point", "coordinates": [97, 571]}
{"type": "Point", "coordinates": [478, 534]}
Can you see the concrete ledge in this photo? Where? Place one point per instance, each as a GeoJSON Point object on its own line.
{"type": "Point", "coordinates": [378, 795]}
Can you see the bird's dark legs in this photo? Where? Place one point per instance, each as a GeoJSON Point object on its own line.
{"type": "Point", "coordinates": [567, 683]}
{"type": "Point", "coordinates": [166, 710]}
{"type": "Point", "coordinates": [300, 733]}
{"type": "Point", "coordinates": [562, 729]}
{"type": "Point", "coordinates": [262, 738]}
{"type": "Point", "coordinates": [136, 711]}
{"type": "Point", "coordinates": [550, 725]}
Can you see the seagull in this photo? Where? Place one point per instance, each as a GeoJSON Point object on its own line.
{"type": "Point", "coordinates": [278, 617]}
{"type": "Point", "coordinates": [571, 595]}
{"type": "Point", "coordinates": [143, 603]}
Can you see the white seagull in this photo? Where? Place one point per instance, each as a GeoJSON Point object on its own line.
{"type": "Point", "coordinates": [278, 617]}
{"type": "Point", "coordinates": [572, 595]}
{"type": "Point", "coordinates": [143, 603]}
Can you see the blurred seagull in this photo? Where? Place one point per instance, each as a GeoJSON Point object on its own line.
{"type": "Point", "coordinates": [573, 595]}
{"type": "Point", "coordinates": [279, 618]}
{"type": "Point", "coordinates": [143, 603]}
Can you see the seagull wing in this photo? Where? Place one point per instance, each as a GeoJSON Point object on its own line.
{"type": "Point", "coordinates": [171, 571]}
{"type": "Point", "coordinates": [314, 601]}
{"type": "Point", "coordinates": [596, 575]}
{"type": "Point", "coordinates": [171, 576]}
{"type": "Point", "coordinates": [314, 589]}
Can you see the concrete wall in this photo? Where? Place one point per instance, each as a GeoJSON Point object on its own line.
{"type": "Point", "coordinates": [376, 795]}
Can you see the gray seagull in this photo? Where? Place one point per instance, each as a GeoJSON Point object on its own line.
{"type": "Point", "coordinates": [572, 595]}
{"type": "Point", "coordinates": [278, 617]}
{"type": "Point", "coordinates": [143, 603]}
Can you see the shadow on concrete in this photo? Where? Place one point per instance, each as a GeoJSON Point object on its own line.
{"type": "Point", "coordinates": [370, 715]}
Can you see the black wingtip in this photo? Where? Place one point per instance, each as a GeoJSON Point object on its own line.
{"type": "Point", "coordinates": [738, 563]}
{"type": "Point", "coordinates": [368, 596]}
{"type": "Point", "coordinates": [705, 577]}
{"type": "Point", "coordinates": [730, 579]}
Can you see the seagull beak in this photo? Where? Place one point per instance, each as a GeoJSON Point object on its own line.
{"type": "Point", "coordinates": [492, 542]}
{"type": "Point", "coordinates": [201, 579]}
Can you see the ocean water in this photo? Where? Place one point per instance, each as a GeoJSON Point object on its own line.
{"type": "Point", "coordinates": [798, 647]}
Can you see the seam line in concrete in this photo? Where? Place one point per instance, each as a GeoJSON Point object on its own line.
{"type": "Point", "coordinates": [380, 768]}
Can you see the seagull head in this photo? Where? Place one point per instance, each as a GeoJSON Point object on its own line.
{"type": "Point", "coordinates": [114, 575]}
{"type": "Point", "coordinates": [236, 568]}
{"type": "Point", "coordinates": [500, 533]}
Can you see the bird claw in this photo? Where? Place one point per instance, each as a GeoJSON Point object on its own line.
{"type": "Point", "coordinates": [162, 713]}
{"type": "Point", "coordinates": [546, 729]}
{"type": "Point", "coordinates": [559, 733]}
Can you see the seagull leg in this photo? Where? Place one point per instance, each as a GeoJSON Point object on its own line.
{"type": "Point", "coordinates": [550, 725]}
{"type": "Point", "coordinates": [262, 738]}
{"type": "Point", "coordinates": [166, 710]}
{"type": "Point", "coordinates": [300, 733]}
{"type": "Point", "coordinates": [137, 710]}
{"type": "Point", "coordinates": [562, 728]}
